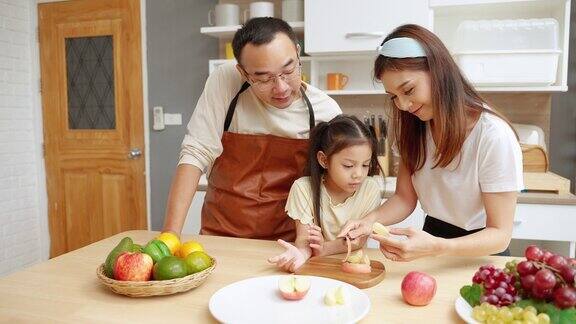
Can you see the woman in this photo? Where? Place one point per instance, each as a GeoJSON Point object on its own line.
{"type": "Point", "coordinates": [458, 157]}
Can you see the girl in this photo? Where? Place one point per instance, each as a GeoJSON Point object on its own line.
{"type": "Point", "coordinates": [458, 157]}
{"type": "Point", "coordinates": [337, 188]}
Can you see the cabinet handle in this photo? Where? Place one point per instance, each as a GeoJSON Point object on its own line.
{"type": "Point", "coordinates": [365, 35]}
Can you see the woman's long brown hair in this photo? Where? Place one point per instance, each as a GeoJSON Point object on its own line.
{"type": "Point", "coordinates": [332, 137]}
{"type": "Point", "coordinates": [453, 99]}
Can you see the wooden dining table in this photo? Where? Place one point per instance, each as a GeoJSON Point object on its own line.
{"type": "Point", "coordinates": [66, 288]}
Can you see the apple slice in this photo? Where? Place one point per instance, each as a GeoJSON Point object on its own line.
{"type": "Point", "coordinates": [357, 257]}
{"type": "Point", "coordinates": [293, 287]}
{"type": "Point", "coordinates": [348, 248]}
{"type": "Point", "coordinates": [330, 297]}
{"type": "Point", "coordinates": [336, 296]}
{"type": "Point", "coordinates": [357, 263]}
{"type": "Point", "coordinates": [380, 229]}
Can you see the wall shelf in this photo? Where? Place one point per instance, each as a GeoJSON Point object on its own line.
{"type": "Point", "coordinates": [228, 31]}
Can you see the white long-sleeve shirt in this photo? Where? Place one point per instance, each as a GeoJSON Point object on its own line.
{"type": "Point", "coordinates": [202, 143]}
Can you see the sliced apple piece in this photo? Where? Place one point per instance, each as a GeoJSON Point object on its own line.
{"type": "Point", "coordinates": [348, 248]}
{"type": "Point", "coordinates": [330, 297]}
{"type": "Point", "coordinates": [336, 296]}
{"type": "Point", "coordinates": [357, 263]}
{"type": "Point", "coordinates": [356, 267]}
{"type": "Point", "coordinates": [342, 295]}
{"type": "Point", "coordinates": [356, 257]}
{"type": "Point", "coordinates": [380, 229]}
{"type": "Point", "coordinates": [293, 287]}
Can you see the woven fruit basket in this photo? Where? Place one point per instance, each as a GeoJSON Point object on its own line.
{"type": "Point", "coordinates": [155, 287]}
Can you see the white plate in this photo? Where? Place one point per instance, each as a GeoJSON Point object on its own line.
{"type": "Point", "coordinates": [257, 300]}
{"type": "Point", "coordinates": [464, 310]}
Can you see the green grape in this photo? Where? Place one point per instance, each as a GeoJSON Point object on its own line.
{"type": "Point", "coordinates": [517, 312]}
{"type": "Point", "coordinates": [531, 309]}
{"type": "Point", "coordinates": [505, 314]}
{"type": "Point", "coordinates": [492, 319]}
{"type": "Point", "coordinates": [530, 317]}
{"type": "Point", "coordinates": [479, 314]}
{"type": "Point", "coordinates": [543, 318]}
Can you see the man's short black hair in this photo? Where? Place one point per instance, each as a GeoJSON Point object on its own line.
{"type": "Point", "coordinates": [259, 31]}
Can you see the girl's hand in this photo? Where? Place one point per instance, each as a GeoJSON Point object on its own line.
{"type": "Point", "coordinates": [292, 259]}
{"type": "Point", "coordinates": [355, 229]}
{"type": "Point", "coordinates": [316, 240]}
{"type": "Point", "coordinates": [419, 244]}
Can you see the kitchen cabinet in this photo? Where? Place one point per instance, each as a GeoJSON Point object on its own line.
{"type": "Point", "coordinates": [546, 222]}
{"type": "Point", "coordinates": [344, 38]}
{"type": "Point", "coordinates": [449, 14]}
{"type": "Point", "coordinates": [345, 27]}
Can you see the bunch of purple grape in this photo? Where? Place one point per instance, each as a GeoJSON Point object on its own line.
{"type": "Point", "coordinates": [500, 288]}
{"type": "Point", "coordinates": [547, 276]}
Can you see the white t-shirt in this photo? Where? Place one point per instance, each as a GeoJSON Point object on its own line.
{"type": "Point", "coordinates": [491, 161]}
{"type": "Point", "coordinates": [333, 216]}
{"type": "Point", "coordinates": [202, 142]}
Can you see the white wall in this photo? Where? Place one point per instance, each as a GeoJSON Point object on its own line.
{"type": "Point", "coordinates": [23, 232]}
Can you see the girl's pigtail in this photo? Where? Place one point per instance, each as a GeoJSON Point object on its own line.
{"type": "Point", "coordinates": [314, 169]}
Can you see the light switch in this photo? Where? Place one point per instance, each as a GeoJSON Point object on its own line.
{"type": "Point", "coordinates": [173, 119]}
{"type": "Point", "coordinates": [158, 114]}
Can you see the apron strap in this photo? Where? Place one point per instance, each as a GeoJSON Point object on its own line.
{"type": "Point", "coordinates": [312, 120]}
{"type": "Point", "coordinates": [232, 107]}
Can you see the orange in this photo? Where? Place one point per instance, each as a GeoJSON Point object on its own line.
{"type": "Point", "coordinates": [171, 240]}
{"type": "Point", "coordinates": [189, 247]}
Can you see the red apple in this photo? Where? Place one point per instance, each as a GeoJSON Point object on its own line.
{"type": "Point", "coordinates": [293, 287]}
{"type": "Point", "coordinates": [418, 288]}
{"type": "Point", "coordinates": [133, 266]}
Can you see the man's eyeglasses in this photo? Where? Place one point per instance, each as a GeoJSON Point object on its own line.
{"type": "Point", "coordinates": [267, 82]}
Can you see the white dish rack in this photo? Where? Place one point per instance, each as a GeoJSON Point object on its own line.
{"type": "Point", "coordinates": [520, 52]}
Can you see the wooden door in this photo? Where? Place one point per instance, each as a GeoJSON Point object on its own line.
{"type": "Point", "coordinates": [90, 56]}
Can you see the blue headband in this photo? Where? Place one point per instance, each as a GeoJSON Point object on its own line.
{"type": "Point", "coordinates": [401, 47]}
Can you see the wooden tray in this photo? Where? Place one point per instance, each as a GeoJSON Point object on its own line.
{"type": "Point", "coordinates": [331, 268]}
{"type": "Point", "coordinates": [546, 182]}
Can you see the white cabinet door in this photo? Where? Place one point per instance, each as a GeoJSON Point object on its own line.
{"type": "Point", "coordinates": [344, 26]}
{"type": "Point", "coordinates": [545, 222]}
{"type": "Point", "coordinates": [192, 223]}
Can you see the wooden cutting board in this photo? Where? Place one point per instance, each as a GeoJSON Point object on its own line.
{"type": "Point", "coordinates": [331, 268]}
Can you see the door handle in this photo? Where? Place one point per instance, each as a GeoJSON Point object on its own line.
{"type": "Point", "coordinates": [134, 153]}
{"type": "Point", "coordinates": [377, 34]}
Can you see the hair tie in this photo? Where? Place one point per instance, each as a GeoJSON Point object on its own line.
{"type": "Point", "coordinates": [401, 47]}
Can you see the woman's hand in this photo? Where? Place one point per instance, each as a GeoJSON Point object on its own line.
{"type": "Point", "coordinates": [419, 244]}
{"type": "Point", "coordinates": [316, 240]}
{"type": "Point", "coordinates": [356, 228]}
{"type": "Point", "coordinates": [292, 259]}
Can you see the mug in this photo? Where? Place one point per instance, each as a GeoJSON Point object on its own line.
{"type": "Point", "coordinates": [293, 10]}
{"type": "Point", "coordinates": [227, 14]}
{"type": "Point", "coordinates": [229, 51]}
{"type": "Point", "coordinates": [336, 81]}
{"type": "Point", "coordinates": [260, 9]}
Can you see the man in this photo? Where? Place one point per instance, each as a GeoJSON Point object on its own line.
{"type": "Point", "coordinates": [249, 132]}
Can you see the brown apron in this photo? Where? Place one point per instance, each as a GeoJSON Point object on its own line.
{"type": "Point", "coordinates": [250, 181]}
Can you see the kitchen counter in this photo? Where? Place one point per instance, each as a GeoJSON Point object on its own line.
{"type": "Point", "coordinates": [389, 186]}
{"type": "Point", "coordinates": [66, 289]}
